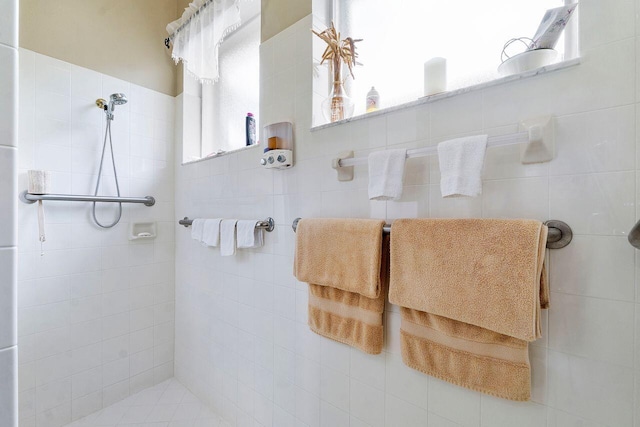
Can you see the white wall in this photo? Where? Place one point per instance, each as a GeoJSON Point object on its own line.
{"type": "Point", "coordinates": [96, 310]}
{"type": "Point", "coordinates": [242, 342]}
{"type": "Point", "coordinates": [8, 202]}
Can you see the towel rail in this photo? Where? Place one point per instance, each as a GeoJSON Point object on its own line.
{"type": "Point", "coordinates": [496, 141]}
{"type": "Point", "coordinates": [537, 135]}
{"type": "Point", "coordinates": [266, 224]}
{"type": "Point", "coordinates": [560, 234]}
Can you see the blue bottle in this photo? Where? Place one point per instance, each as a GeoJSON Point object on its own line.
{"type": "Point", "coordinates": [250, 123]}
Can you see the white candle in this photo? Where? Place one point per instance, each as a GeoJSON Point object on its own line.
{"type": "Point", "coordinates": [435, 76]}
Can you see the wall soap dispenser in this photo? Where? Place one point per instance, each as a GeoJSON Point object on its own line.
{"type": "Point", "coordinates": [279, 152]}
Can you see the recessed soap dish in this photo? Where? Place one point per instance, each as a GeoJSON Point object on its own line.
{"type": "Point", "coordinates": [142, 230]}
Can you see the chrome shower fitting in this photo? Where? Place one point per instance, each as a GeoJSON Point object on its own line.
{"type": "Point", "coordinates": [114, 99]}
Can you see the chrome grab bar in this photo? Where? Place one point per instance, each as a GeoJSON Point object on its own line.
{"type": "Point", "coordinates": [32, 198]}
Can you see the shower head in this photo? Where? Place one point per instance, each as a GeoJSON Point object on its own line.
{"type": "Point", "coordinates": [118, 99]}
{"type": "Point", "coordinates": [114, 99]}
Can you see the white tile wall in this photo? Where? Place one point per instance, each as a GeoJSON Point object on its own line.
{"type": "Point", "coordinates": [8, 297]}
{"type": "Point", "coordinates": [96, 310]}
{"type": "Point", "coordinates": [242, 343]}
{"type": "Point", "coordinates": [9, 386]}
{"type": "Point", "coordinates": [9, 94]}
{"type": "Point", "coordinates": [8, 195]}
{"type": "Point", "coordinates": [9, 23]}
{"type": "Point", "coordinates": [8, 212]}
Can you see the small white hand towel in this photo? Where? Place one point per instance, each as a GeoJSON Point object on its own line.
{"type": "Point", "coordinates": [248, 235]}
{"type": "Point", "coordinates": [228, 237]}
{"type": "Point", "coordinates": [461, 162]}
{"type": "Point", "coordinates": [197, 227]}
{"type": "Point", "coordinates": [211, 232]}
{"type": "Point", "coordinates": [386, 170]}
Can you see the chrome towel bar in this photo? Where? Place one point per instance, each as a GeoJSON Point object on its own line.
{"type": "Point", "coordinates": [32, 198]}
{"type": "Point", "coordinates": [266, 224]}
{"type": "Point", "coordinates": [559, 236]}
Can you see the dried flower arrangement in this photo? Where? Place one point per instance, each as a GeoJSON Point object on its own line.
{"type": "Point", "coordinates": [337, 52]}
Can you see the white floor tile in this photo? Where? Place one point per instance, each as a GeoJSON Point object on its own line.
{"type": "Point", "coordinates": [168, 404]}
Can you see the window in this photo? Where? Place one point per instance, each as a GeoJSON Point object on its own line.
{"type": "Point", "coordinates": [399, 37]}
{"type": "Point", "coordinates": [214, 114]}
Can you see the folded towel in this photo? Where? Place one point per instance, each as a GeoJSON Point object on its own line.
{"type": "Point", "coordinates": [358, 252]}
{"type": "Point", "coordinates": [386, 169]}
{"type": "Point", "coordinates": [248, 235]}
{"type": "Point", "coordinates": [197, 227]}
{"type": "Point", "coordinates": [349, 317]}
{"type": "Point", "coordinates": [228, 237]}
{"type": "Point", "coordinates": [485, 272]}
{"type": "Point", "coordinates": [471, 292]}
{"type": "Point", "coordinates": [211, 232]}
{"type": "Point", "coordinates": [461, 163]}
{"type": "Point", "coordinates": [341, 253]}
{"type": "Point", "coordinates": [466, 355]}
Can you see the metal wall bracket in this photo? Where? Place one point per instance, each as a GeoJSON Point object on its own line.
{"type": "Point", "coordinates": [542, 145]}
{"type": "Point", "coordinates": [345, 173]}
{"type": "Point", "coordinates": [560, 234]}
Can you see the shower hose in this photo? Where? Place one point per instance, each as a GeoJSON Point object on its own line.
{"type": "Point", "coordinates": [107, 134]}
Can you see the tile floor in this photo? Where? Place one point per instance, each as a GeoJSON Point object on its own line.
{"type": "Point", "coordinates": [168, 404]}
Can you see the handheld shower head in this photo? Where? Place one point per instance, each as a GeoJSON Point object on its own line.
{"type": "Point", "coordinates": [118, 99]}
{"type": "Point", "coordinates": [114, 99]}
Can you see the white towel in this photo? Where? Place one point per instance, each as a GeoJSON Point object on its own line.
{"type": "Point", "coordinates": [386, 170]}
{"type": "Point", "coordinates": [197, 227]}
{"type": "Point", "coordinates": [461, 163]}
{"type": "Point", "coordinates": [211, 232]}
{"type": "Point", "coordinates": [228, 237]}
{"type": "Point", "coordinates": [248, 235]}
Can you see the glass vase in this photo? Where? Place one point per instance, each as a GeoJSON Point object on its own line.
{"type": "Point", "coordinates": [337, 106]}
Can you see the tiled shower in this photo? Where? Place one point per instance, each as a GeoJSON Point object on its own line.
{"type": "Point", "coordinates": [96, 310]}
{"type": "Point", "coordinates": [104, 322]}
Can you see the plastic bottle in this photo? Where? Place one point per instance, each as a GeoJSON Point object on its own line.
{"type": "Point", "coordinates": [373, 100]}
{"type": "Point", "coordinates": [250, 123]}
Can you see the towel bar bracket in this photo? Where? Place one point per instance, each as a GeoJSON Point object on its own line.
{"type": "Point", "coordinates": [541, 145]}
{"type": "Point", "coordinates": [345, 173]}
{"type": "Point", "coordinates": [560, 234]}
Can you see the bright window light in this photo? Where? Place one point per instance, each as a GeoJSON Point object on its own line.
{"type": "Point", "coordinates": [399, 37]}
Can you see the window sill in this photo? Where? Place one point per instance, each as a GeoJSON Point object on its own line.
{"type": "Point", "coordinates": [433, 98]}
{"type": "Point", "coordinates": [226, 153]}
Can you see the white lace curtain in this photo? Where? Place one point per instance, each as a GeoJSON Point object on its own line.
{"type": "Point", "coordinates": [198, 33]}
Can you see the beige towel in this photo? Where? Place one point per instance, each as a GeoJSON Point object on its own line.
{"type": "Point", "coordinates": [346, 300]}
{"type": "Point", "coordinates": [341, 253]}
{"type": "Point", "coordinates": [471, 292]}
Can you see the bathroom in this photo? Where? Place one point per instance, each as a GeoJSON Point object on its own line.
{"type": "Point", "coordinates": [100, 330]}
